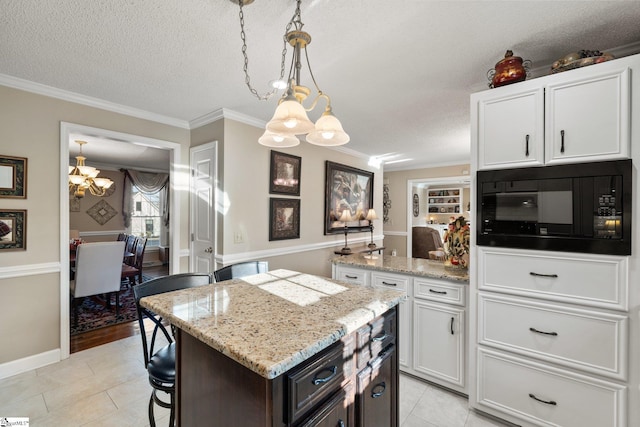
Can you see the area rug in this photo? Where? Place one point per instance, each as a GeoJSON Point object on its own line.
{"type": "Point", "coordinates": [92, 313]}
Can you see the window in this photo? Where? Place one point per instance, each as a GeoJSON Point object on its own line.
{"type": "Point", "coordinates": [146, 219]}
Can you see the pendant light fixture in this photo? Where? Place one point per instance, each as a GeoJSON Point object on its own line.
{"type": "Point", "coordinates": [290, 118]}
{"type": "Point", "coordinates": [82, 177]}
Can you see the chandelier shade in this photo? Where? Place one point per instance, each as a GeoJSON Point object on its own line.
{"type": "Point", "coordinates": [290, 117]}
{"type": "Point", "coordinates": [271, 139]}
{"type": "Point", "coordinates": [82, 178]}
{"type": "Point", "coordinates": [328, 131]}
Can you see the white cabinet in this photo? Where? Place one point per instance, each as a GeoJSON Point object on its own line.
{"type": "Point", "coordinates": [438, 342]}
{"type": "Point", "coordinates": [576, 117]}
{"type": "Point", "coordinates": [588, 118]}
{"type": "Point", "coordinates": [552, 337]}
{"type": "Point", "coordinates": [511, 129]}
{"type": "Point", "coordinates": [432, 323]}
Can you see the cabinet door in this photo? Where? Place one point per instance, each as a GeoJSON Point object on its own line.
{"type": "Point", "coordinates": [511, 130]}
{"type": "Point", "coordinates": [588, 119]}
{"type": "Point", "coordinates": [404, 334]}
{"type": "Point", "coordinates": [377, 396]}
{"type": "Point", "coordinates": [438, 341]}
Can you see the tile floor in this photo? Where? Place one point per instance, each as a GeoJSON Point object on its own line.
{"type": "Point", "coordinates": [107, 386]}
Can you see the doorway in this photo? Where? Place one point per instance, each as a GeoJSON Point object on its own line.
{"type": "Point", "coordinates": [67, 130]}
{"type": "Point", "coordinates": [432, 201]}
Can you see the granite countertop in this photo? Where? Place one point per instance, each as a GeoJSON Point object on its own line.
{"type": "Point", "coordinates": [271, 322]}
{"type": "Point", "coordinates": [403, 265]}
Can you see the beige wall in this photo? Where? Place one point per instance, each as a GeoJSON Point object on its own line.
{"type": "Point", "coordinates": [82, 221]}
{"type": "Point", "coordinates": [245, 180]}
{"type": "Point", "coordinates": [30, 127]}
{"type": "Point", "coordinates": [397, 181]}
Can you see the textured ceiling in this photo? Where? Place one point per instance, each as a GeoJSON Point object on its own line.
{"type": "Point", "coordinates": [399, 72]}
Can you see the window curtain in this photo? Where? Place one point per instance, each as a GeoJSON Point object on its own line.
{"type": "Point", "coordinates": [147, 182]}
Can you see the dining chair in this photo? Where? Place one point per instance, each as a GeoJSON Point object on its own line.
{"type": "Point", "coordinates": [242, 269]}
{"type": "Point", "coordinates": [97, 271]}
{"type": "Point", "coordinates": [135, 270]}
{"type": "Point", "coordinates": [130, 247]}
{"type": "Point", "coordinates": [121, 236]}
{"type": "Point", "coordinates": [161, 362]}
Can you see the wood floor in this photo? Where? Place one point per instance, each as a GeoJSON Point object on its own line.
{"type": "Point", "coordinates": [112, 333]}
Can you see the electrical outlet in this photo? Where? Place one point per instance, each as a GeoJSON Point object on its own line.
{"type": "Point", "coordinates": [237, 237]}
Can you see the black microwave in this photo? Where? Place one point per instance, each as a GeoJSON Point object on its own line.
{"type": "Point", "coordinates": [581, 207]}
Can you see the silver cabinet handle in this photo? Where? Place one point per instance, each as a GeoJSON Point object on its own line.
{"type": "Point", "coordinates": [381, 387]}
{"type": "Point", "coordinates": [332, 373]}
{"type": "Point", "coordinates": [380, 337]}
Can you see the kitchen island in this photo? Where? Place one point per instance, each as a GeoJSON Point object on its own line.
{"type": "Point", "coordinates": [283, 348]}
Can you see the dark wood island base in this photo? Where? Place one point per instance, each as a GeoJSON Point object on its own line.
{"type": "Point", "coordinates": [353, 382]}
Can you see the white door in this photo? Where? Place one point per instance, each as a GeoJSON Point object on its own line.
{"type": "Point", "coordinates": [202, 207]}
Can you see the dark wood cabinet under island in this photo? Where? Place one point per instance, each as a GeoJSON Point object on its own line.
{"type": "Point", "coordinates": [284, 349]}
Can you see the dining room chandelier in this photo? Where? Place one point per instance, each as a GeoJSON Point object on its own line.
{"type": "Point", "coordinates": [290, 118]}
{"type": "Point", "coordinates": [82, 177]}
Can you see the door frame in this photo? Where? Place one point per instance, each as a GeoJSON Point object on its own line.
{"type": "Point", "coordinates": [463, 180]}
{"type": "Point", "coordinates": [175, 187]}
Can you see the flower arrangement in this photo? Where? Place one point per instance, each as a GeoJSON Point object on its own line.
{"type": "Point", "coordinates": [456, 243]}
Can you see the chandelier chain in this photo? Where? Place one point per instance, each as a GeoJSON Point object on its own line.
{"type": "Point", "coordinates": [245, 68]}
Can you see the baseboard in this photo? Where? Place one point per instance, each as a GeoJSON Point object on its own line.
{"type": "Point", "coordinates": [29, 363]}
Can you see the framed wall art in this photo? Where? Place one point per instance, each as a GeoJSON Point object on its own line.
{"type": "Point", "coordinates": [13, 177]}
{"type": "Point", "coordinates": [349, 188]}
{"type": "Point", "coordinates": [284, 219]}
{"type": "Point", "coordinates": [13, 229]}
{"type": "Point", "coordinates": [285, 174]}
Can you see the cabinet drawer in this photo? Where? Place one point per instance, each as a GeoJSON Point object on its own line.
{"type": "Point", "coordinates": [547, 396]}
{"type": "Point", "coordinates": [310, 384]}
{"type": "Point", "coordinates": [435, 290]}
{"type": "Point", "coordinates": [372, 338]}
{"type": "Point", "coordinates": [591, 280]}
{"type": "Point", "coordinates": [352, 275]}
{"type": "Point", "coordinates": [396, 281]}
{"type": "Point", "coordinates": [336, 412]}
{"type": "Point", "coordinates": [592, 341]}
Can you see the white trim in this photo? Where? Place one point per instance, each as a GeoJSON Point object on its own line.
{"type": "Point", "coordinates": [77, 98]}
{"type": "Point", "coordinates": [396, 233]}
{"type": "Point", "coordinates": [29, 363]}
{"type": "Point", "coordinates": [270, 253]}
{"type": "Point", "coordinates": [225, 113]}
{"type": "Point", "coordinates": [176, 180]}
{"type": "Point", "coordinates": [29, 270]}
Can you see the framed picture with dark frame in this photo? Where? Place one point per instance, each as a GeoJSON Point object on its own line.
{"type": "Point", "coordinates": [285, 174]}
{"type": "Point", "coordinates": [284, 219]}
{"type": "Point", "coordinates": [13, 177]}
{"type": "Point", "coordinates": [349, 188]}
{"type": "Point", "coordinates": [13, 229]}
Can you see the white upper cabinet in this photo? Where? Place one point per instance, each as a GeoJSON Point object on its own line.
{"type": "Point", "coordinates": [588, 119]}
{"type": "Point", "coordinates": [580, 116]}
{"type": "Point", "coordinates": [511, 129]}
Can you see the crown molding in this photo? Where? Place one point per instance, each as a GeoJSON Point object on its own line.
{"type": "Point", "coordinates": [225, 113]}
{"type": "Point", "coordinates": [40, 89]}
